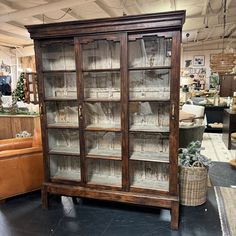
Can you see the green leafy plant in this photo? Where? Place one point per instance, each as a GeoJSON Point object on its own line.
{"type": "Point", "coordinates": [191, 155]}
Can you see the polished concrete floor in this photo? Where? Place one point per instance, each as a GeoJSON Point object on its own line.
{"type": "Point", "coordinates": [23, 216]}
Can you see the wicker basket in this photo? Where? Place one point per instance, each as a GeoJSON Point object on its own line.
{"type": "Point", "coordinates": [193, 185]}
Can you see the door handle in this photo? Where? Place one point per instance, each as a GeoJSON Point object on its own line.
{"type": "Point", "coordinates": [80, 111]}
{"type": "Point", "coordinates": [173, 111]}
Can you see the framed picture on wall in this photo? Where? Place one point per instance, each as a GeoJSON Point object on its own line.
{"type": "Point", "coordinates": [198, 60]}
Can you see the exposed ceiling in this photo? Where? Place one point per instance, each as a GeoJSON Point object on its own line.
{"type": "Point", "coordinates": [204, 19]}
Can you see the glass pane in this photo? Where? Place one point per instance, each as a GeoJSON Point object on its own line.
{"type": "Point", "coordinates": [102, 115]}
{"type": "Point", "coordinates": [106, 172]}
{"type": "Point", "coordinates": [149, 175]}
{"type": "Point", "coordinates": [149, 84]}
{"type": "Point", "coordinates": [62, 113]}
{"type": "Point", "coordinates": [103, 85]}
{"type": "Point", "coordinates": [101, 54]}
{"type": "Point", "coordinates": [65, 167]}
{"type": "Point", "coordinates": [58, 56]}
{"type": "Point", "coordinates": [150, 51]}
{"type": "Point", "coordinates": [31, 87]}
{"type": "Point", "coordinates": [63, 141]}
{"type": "Point", "coordinates": [149, 116]}
{"type": "Point", "coordinates": [103, 144]}
{"type": "Point", "coordinates": [150, 147]}
{"type": "Point", "coordinates": [30, 78]}
{"type": "Point", "coordinates": [61, 85]}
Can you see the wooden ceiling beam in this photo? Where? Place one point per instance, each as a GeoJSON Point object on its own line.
{"type": "Point", "coordinates": [10, 34]}
{"type": "Point", "coordinates": [138, 7]}
{"type": "Point", "coordinates": [16, 24]}
{"type": "Point", "coordinates": [210, 33]}
{"type": "Point", "coordinates": [43, 19]}
{"type": "Point", "coordinates": [41, 9]}
{"type": "Point", "coordinates": [12, 5]}
{"type": "Point", "coordinates": [200, 42]}
{"type": "Point", "coordinates": [196, 36]}
{"type": "Point", "coordinates": [205, 7]}
{"type": "Point", "coordinates": [228, 3]}
{"type": "Point", "coordinates": [107, 9]}
{"type": "Point", "coordinates": [173, 5]}
{"type": "Point", "coordinates": [72, 13]}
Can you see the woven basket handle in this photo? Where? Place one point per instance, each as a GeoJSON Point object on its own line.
{"type": "Point", "coordinates": [197, 164]}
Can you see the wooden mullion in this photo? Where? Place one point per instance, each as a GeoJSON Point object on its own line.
{"type": "Point", "coordinates": [125, 112]}
{"type": "Point", "coordinates": [34, 87]}
{"type": "Point", "coordinates": [174, 118]}
{"type": "Point", "coordinates": [80, 95]}
{"type": "Point", "coordinates": [43, 117]}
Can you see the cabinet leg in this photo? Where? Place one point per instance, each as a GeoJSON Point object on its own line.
{"type": "Point", "coordinates": [174, 215]}
{"type": "Point", "coordinates": [44, 197]}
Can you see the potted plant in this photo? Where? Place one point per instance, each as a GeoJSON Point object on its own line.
{"type": "Point", "coordinates": [193, 174]}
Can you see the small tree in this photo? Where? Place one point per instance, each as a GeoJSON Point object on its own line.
{"type": "Point", "coordinates": [19, 91]}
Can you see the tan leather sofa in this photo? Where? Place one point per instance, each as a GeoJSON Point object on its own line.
{"type": "Point", "coordinates": [21, 164]}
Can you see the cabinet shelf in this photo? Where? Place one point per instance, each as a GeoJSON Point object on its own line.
{"type": "Point", "coordinates": [150, 68]}
{"type": "Point", "coordinates": [104, 154]}
{"type": "Point", "coordinates": [57, 71]}
{"type": "Point", "coordinates": [67, 98]}
{"type": "Point", "coordinates": [63, 126]}
{"type": "Point", "coordinates": [64, 152]}
{"type": "Point", "coordinates": [103, 157]}
{"type": "Point", "coordinates": [110, 128]}
{"type": "Point", "coordinates": [148, 128]}
{"type": "Point", "coordinates": [104, 180]}
{"type": "Point", "coordinates": [150, 156]}
{"type": "Point", "coordinates": [149, 100]}
{"type": "Point", "coordinates": [101, 70]}
{"type": "Point", "coordinates": [153, 185]}
{"type": "Point", "coordinates": [67, 175]}
{"type": "Point", "coordinates": [102, 100]}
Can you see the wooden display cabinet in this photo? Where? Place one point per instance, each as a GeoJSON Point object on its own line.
{"type": "Point", "coordinates": [109, 98]}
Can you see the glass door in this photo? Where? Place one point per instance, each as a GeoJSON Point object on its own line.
{"type": "Point", "coordinates": [100, 87]}
{"type": "Point", "coordinates": [149, 72]}
{"type": "Point", "coordinates": [61, 110]}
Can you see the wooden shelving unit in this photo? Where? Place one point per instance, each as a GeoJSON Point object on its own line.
{"type": "Point", "coordinates": [109, 102]}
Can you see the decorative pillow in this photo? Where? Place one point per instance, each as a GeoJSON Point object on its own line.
{"type": "Point", "coordinates": [185, 116]}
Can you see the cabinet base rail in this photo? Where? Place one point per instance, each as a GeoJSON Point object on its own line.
{"type": "Point", "coordinates": [157, 200]}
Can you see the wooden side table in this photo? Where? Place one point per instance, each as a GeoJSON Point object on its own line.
{"type": "Point", "coordinates": [229, 126]}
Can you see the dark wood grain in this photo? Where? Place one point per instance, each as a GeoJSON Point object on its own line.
{"type": "Point", "coordinates": [111, 195]}
{"type": "Point", "coordinates": [174, 118]}
{"type": "Point", "coordinates": [125, 112]}
{"type": "Point", "coordinates": [174, 215]}
{"type": "Point", "coordinates": [158, 21]}
{"type": "Point", "coordinates": [42, 109]}
{"type": "Point", "coordinates": [80, 95]}
{"type": "Point", "coordinates": [78, 33]}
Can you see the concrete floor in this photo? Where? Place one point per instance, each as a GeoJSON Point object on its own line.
{"type": "Point", "coordinates": [23, 215]}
